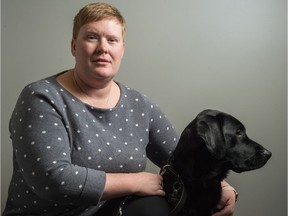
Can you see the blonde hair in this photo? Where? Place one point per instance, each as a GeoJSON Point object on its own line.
{"type": "Point", "coordinates": [95, 12]}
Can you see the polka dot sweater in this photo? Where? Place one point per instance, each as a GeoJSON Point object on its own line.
{"type": "Point", "coordinates": [62, 147]}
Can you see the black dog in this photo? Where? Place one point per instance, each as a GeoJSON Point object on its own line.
{"type": "Point", "coordinates": [211, 145]}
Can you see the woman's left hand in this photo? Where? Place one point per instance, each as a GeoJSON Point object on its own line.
{"type": "Point", "coordinates": [226, 204]}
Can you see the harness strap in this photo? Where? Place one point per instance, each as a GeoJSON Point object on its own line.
{"type": "Point", "coordinates": [174, 187]}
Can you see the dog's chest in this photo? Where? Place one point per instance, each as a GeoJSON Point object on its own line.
{"type": "Point", "coordinates": [202, 199]}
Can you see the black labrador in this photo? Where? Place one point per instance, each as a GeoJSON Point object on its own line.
{"type": "Point", "coordinates": [211, 145]}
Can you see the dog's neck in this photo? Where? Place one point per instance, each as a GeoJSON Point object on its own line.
{"type": "Point", "coordinates": [197, 164]}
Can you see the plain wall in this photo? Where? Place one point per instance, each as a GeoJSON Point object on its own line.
{"type": "Point", "coordinates": [186, 55]}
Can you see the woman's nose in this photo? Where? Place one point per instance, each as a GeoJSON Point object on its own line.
{"type": "Point", "coordinates": [102, 46]}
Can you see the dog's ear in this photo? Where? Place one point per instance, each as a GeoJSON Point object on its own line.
{"type": "Point", "coordinates": [209, 129]}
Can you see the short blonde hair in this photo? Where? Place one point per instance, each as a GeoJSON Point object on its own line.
{"type": "Point", "coordinates": [95, 12]}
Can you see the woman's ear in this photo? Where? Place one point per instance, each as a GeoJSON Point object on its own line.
{"type": "Point", "coordinates": [123, 50]}
{"type": "Point", "coordinates": [73, 46]}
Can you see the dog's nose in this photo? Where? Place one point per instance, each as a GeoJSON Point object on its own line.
{"type": "Point", "coordinates": [267, 154]}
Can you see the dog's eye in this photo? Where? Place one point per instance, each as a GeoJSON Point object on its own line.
{"type": "Point", "coordinates": [239, 132]}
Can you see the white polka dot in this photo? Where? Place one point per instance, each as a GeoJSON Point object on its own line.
{"type": "Point", "coordinates": [80, 186]}
{"type": "Point", "coordinates": [62, 183]}
{"type": "Point", "coordinates": [76, 172]}
{"type": "Point", "coordinates": [89, 158]}
{"type": "Point", "coordinates": [48, 147]}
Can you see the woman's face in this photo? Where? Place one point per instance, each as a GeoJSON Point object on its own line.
{"type": "Point", "coordinates": [98, 49]}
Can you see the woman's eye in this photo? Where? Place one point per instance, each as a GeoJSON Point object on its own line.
{"type": "Point", "coordinates": [112, 40]}
{"type": "Point", "coordinates": [92, 37]}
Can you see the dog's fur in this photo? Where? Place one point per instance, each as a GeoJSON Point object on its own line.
{"type": "Point", "coordinates": [211, 145]}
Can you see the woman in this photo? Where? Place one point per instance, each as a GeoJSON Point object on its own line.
{"type": "Point", "coordinates": [80, 138]}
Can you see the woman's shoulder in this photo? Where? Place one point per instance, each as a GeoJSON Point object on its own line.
{"type": "Point", "coordinates": [44, 85]}
{"type": "Point", "coordinates": [135, 97]}
{"type": "Point", "coordinates": [132, 93]}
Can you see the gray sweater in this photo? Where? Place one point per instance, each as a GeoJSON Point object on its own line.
{"type": "Point", "coordinates": [63, 148]}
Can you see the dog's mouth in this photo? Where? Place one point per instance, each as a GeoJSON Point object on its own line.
{"type": "Point", "coordinates": [255, 162]}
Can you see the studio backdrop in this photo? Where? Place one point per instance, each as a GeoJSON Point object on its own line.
{"type": "Point", "coordinates": [186, 55]}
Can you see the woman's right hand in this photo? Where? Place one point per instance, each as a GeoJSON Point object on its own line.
{"type": "Point", "coordinates": [147, 184]}
{"type": "Point", "coordinates": [140, 184]}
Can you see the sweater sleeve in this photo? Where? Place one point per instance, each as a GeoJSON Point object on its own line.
{"type": "Point", "coordinates": [42, 149]}
{"type": "Point", "coordinates": [162, 136]}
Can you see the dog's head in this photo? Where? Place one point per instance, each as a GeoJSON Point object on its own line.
{"type": "Point", "coordinates": [226, 139]}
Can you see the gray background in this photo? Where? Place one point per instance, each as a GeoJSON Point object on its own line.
{"type": "Point", "coordinates": [187, 55]}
